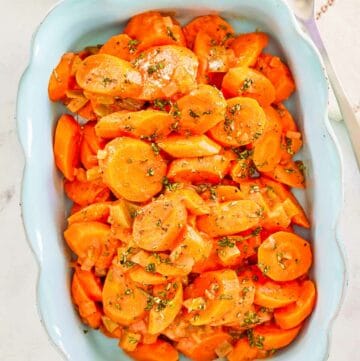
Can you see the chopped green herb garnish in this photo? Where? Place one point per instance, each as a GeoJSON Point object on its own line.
{"type": "Point", "coordinates": [246, 84]}
{"type": "Point", "coordinates": [132, 45]}
{"type": "Point", "coordinates": [150, 268]}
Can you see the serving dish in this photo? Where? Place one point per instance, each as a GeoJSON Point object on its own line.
{"type": "Point", "coordinates": [74, 24]}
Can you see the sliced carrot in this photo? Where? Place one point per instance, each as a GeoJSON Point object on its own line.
{"type": "Point", "coordinates": [222, 289]}
{"type": "Point", "coordinates": [294, 314]}
{"type": "Point", "coordinates": [224, 193]}
{"type": "Point", "coordinates": [267, 151]}
{"type": "Point", "coordinates": [291, 143]}
{"type": "Point", "coordinates": [230, 218]}
{"type": "Point", "coordinates": [87, 112]}
{"type": "Point", "coordinates": [278, 73]}
{"type": "Point", "coordinates": [203, 348]}
{"type": "Point", "coordinates": [90, 283]}
{"type": "Point", "coordinates": [244, 123]}
{"type": "Point", "coordinates": [129, 341]}
{"type": "Point", "coordinates": [160, 317]}
{"type": "Point", "coordinates": [139, 275]}
{"type": "Point", "coordinates": [131, 169]}
{"type": "Point", "coordinates": [210, 169]}
{"type": "Point", "coordinates": [61, 78]}
{"type": "Point", "coordinates": [158, 224]}
{"type": "Point", "coordinates": [275, 295]}
{"type": "Point", "coordinates": [200, 110]}
{"type": "Point", "coordinates": [158, 351]}
{"type": "Point", "coordinates": [276, 218]}
{"type": "Point", "coordinates": [89, 312]}
{"type": "Point", "coordinates": [120, 45]}
{"type": "Point", "coordinates": [153, 29]}
{"type": "Point", "coordinates": [109, 75]}
{"type": "Point", "coordinates": [288, 174]}
{"type": "Point", "coordinates": [285, 117]}
{"type": "Point", "coordinates": [90, 145]}
{"type": "Point", "coordinates": [242, 170]}
{"type": "Point", "coordinates": [148, 124]}
{"type": "Point", "coordinates": [243, 81]}
{"type": "Point", "coordinates": [247, 47]}
{"type": "Point", "coordinates": [284, 256]}
{"type": "Point", "coordinates": [110, 328]}
{"type": "Point", "coordinates": [123, 301]}
{"type": "Point", "coordinates": [67, 145]}
{"type": "Point", "coordinates": [86, 192]}
{"type": "Point", "coordinates": [270, 337]}
{"type": "Point", "coordinates": [192, 146]}
{"type": "Point", "coordinates": [166, 70]}
{"type": "Point", "coordinates": [214, 25]}
{"type": "Point", "coordinates": [211, 263]}
{"type": "Point", "coordinates": [243, 351]}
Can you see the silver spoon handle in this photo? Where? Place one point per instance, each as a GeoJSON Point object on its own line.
{"type": "Point", "coordinates": [352, 123]}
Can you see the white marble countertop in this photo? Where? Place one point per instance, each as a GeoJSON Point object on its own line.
{"type": "Point", "coordinates": [21, 334]}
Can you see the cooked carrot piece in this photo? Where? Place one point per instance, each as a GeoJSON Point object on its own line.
{"type": "Point", "coordinates": [121, 46]}
{"type": "Point", "coordinates": [87, 112]}
{"type": "Point", "coordinates": [230, 218]}
{"type": "Point", "coordinates": [218, 290]}
{"type": "Point", "coordinates": [243, 351]}
{"type": "Point", "coordinates": [294, 314]}
{"type": "Point", "coordinates": [200, 110]}
{"type": "Point", "coordinates": [90, 145]}
{"type": "Point", "coordinates": [290, 144]}
{"type": "Point", "coordinates": [123, 301]}
{"type": "Point", "coordinates": [210, 169]}
{"type": "Point", "coordinates": [88, 310]}
{"type": "Point", "coordinates": [168, 216]}
{"type": "Point", "coordinates": [109, 75]}
{"type": "Point", "coordinates": [90, 283]}
{"type": "Point", "coordinates": [275, 295]}
{"type": "Point", "coordinates": [161, 317]}
{"type": "Point", "coordinates": [139, 275]}
{"type": "Point", "coordinates": [158, 351]}
{"type": "Point", "coordinates": [286, 119]}
{"type": "Point", "coordinates": [278, 73]}
{"type": "Point", "coordinates": [288, 174]}
{"type": "Point", "coordinates": [225, 193]}
{"type": "Point", "coordinates": [85, 192]}
{"type": "Point", "coordinates": [203, 349]}
{"type": "Point", "coordinates": [284, 256]}
{"type": "Point", "coordinates": [214, 25]}
{"type": "Point", "coordinates": [61, 78]}
{"type": "Point", "coordinates": [67, 145]}
{"type": "Point", "coordinates": [153, 29]}
{"type": "Point", "coordinates": [148, 124]}
{"type": "Point", "coordinates": [166, 70]}
{"type": "Point", "coordinates": [271, 337]}
{"type": "Point", "coordinates": [211, 263]}
{"type": "Point", "coordinates": [129, 341]}
{"type": "Point", "coordinates": [247, 47]}
{"type": "Point", "coordinates": [192, 146]}
{"type": "Point", "coordinates": [247, 82]}
{"type": "Point", "coordinates": [244, 123]}
{"type": "Point", "coordinates": [131, 169]}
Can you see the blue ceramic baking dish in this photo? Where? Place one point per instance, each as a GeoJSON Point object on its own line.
{"type": "Point", "coordinates": [73, 24]}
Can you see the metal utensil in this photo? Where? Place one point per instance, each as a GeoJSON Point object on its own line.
{"type": "Point", "coordinates": [304, 11]}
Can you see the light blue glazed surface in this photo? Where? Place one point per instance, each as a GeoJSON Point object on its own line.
{"type": "Point", "coordinates": [74, 24]}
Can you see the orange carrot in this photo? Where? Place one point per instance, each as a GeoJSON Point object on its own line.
{"type": "Point", "coordinates": [109, 75]}
{"type": "Point", "coordinates": [67, 145]}
{"type": "Point", "coordinates": [289, 174]}
{"type": "Point", "coordinates": [284, 256]}
{"type": "Point", "coordinates": [230, 218]}
{"type": "Point", "coordinates": [131, 169]}
{"type": "Point", "coordinates": [90, 145]}
{"type": "Point", "coordinates": [294, 314]}
{"type": "Point", "coordinates": [247, 47]}
{"type": "Point", "coordinates": [244, 123]}
{"type": "Point", "coordinates": [286, 119]}
{"type": "Point", "coordinates": [90, 283]}
{"type": "Point", "coordinates": [158, 224]}
{"type": "Point", "coordinates": [158, 351]}
{"type": "Point", "coordinates": [121, 46]}
{"type": "Point", "coordinates": [243, 81]}
{"type": "Point", "coordinates": [198, 111]}
{"type": "Point", "coordinates": [243, 351]}
{"type": "Point", "coordinates": [278, 73]}
{"type": "Point", "coordinates": [61, 78]}
{"type": "Point", "coordinates": [141, 276]}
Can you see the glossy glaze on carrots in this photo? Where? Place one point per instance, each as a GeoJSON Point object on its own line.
{"type": "Point", "coordinates": [177, 151]}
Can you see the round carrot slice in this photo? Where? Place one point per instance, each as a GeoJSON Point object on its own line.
{"type": "Point", "coordinates": [230, 218]}
{"type": "Point", "coordinates": [284, 256]}
{"type": "Point", "coordinates": [271, 337]}
{"type": "Point", "coordinates": [242, 351]}
{"type": "Point", "coordinates": [160, 350]}
{"type": "Point", "coordinates": [123, 301]}
{"type": "Point", "coordinates": [121, 46]}
{"type": "Point", "coordinates": [166, 70]}
{"type": "Point", "coordinates": [294, 314]}
{"type": "Point", "coordinates": [94, 212]}
{"type": "Point", "coordinates": [275, 295]}
{"type": "Point", "coordinates": [200, 110]}
{"type": "Point", "coordinates": [109, 75]}
{"type": "Point", "coordinates": [159, 223]}
{"type": "Point", "coordinates": [67, 145]}
{"type": "Point", "coordinates": [139, 275]}
{"type": "Point", "coordinates": [131, 169]}
{"type": "Point", "coordinates": [247, 82]}
{"type": "Point", "coordinates": [244, 123]}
